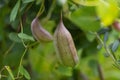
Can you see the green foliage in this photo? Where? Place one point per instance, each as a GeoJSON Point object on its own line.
{"type": "Point", "coordinates": [10, 72]}
{"type": "Point", "coordinates": [90, 23]}
{"type": "Point", "coordinates": [24, 72]}
{"type": "Point", "coordinates": [86, 19]}
{"type": "Point", "coordinates": [25, 37]}
{"type": "Point", "coordinates": [15, 11]}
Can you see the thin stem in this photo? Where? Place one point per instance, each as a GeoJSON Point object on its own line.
{"type": "Point", "coordinates": [22, 32]}
{"type": "Point", "coordinates": [4, 76]}
{"type": "Point", "coordinates": [9, 49]}
{"type": "Point", "coordinates": [21, 26]}
{"type": "Point", "coordinates": [41, 9]}
{"type": "Point", "coordinates": [33, 44]}
{"type": "Point", "coordinates": [105, 47]}
{"type": "Point", "coordinates": [28, 7]}
{"type": "Point", "coordinates": [51, 10]}
{"type": "Point", "coordinates": [21, 60]}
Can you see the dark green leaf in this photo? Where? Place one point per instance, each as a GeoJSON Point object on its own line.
{"type": "Point", "coordinates": [14, 11]}
{"type": "Point", "coordinates": [115, 46]}
{"type": "Point", "coordinates": [24, 72]}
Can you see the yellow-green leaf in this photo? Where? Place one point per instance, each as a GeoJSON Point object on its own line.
{"type": "Point", "coordinates": [86, 2]}
{"type": "Point", "coordinates": [107, 11]}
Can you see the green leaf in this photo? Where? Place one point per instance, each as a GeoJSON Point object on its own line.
{"type": "Point", "coordinates": [14, 11]}
{"type": "Point", "coordinates": [106, 37]}
{"type": "Point", "coordinates": [38, 1]}
{"type": "Point", "coordinates": [27, 1]}
{"type": "Point", "coordinates": [115, 45]}
{"type": "Point", "coordinates": [107, 10]}
{"type": "Point", "coordinates": [25, 37]}
{"type": "Point", "coordinates": [85, 19]}
{"type": "Point", "coordinates": [24, 72]}
{"type": "Point", "coordinates": [90, 37]}
{"type": "Point", "coordinates": [14, 37]}
{"type": "Point", "coordinates": [10, 72]}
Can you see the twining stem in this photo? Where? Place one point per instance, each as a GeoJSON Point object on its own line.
{"type": "Point", "coordinates": [22, 32]}
{"type": "Point", "coordinates": [26, 48]}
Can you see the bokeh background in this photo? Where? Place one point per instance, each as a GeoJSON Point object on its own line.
{"type": "Point", "coordinates": [90, 24]}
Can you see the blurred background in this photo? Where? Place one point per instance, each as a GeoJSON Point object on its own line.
{"type": "Point", "coordinates": [93, 24]}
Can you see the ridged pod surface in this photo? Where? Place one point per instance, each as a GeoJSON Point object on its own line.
{"type": "Point", "coordinates": [65, 47]}
{"type": "Point", "coordinates": [39, 33]}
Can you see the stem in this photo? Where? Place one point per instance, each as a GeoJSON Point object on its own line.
{"type": "Point", "coordinates": [9, 49]}
{"type": "Point", "coordinates": [21, 26]}
{"type": "Point", "coordinates": [33, 44]}
{"type": "Point", "coordinates": [105, 47]}
{"type": "Point", "coordinates": [22, 32]}
{"type": "Point", "coordinates": [41, 9]}
{"type": "Point", "coordinates": [51, 9]}
{"type": "Point", "coordinates": [100, 71]}
{"type": "Point", "coordinates": [4, 76]}
{"type": "Point", "coordinates": [28, 7]}
{"type": "Point", "coordinates": [49, 12]}
{"type": "Point", "coordinates": [21, 60]}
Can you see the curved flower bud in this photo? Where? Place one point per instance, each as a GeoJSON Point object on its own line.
{"type": "Point", "coordinates": [39, 32]}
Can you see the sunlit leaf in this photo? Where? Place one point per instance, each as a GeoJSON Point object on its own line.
{"type": "Point", "coordinates": [107, 10]}
{"type": "Point", "coordinates": [14, 11]}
